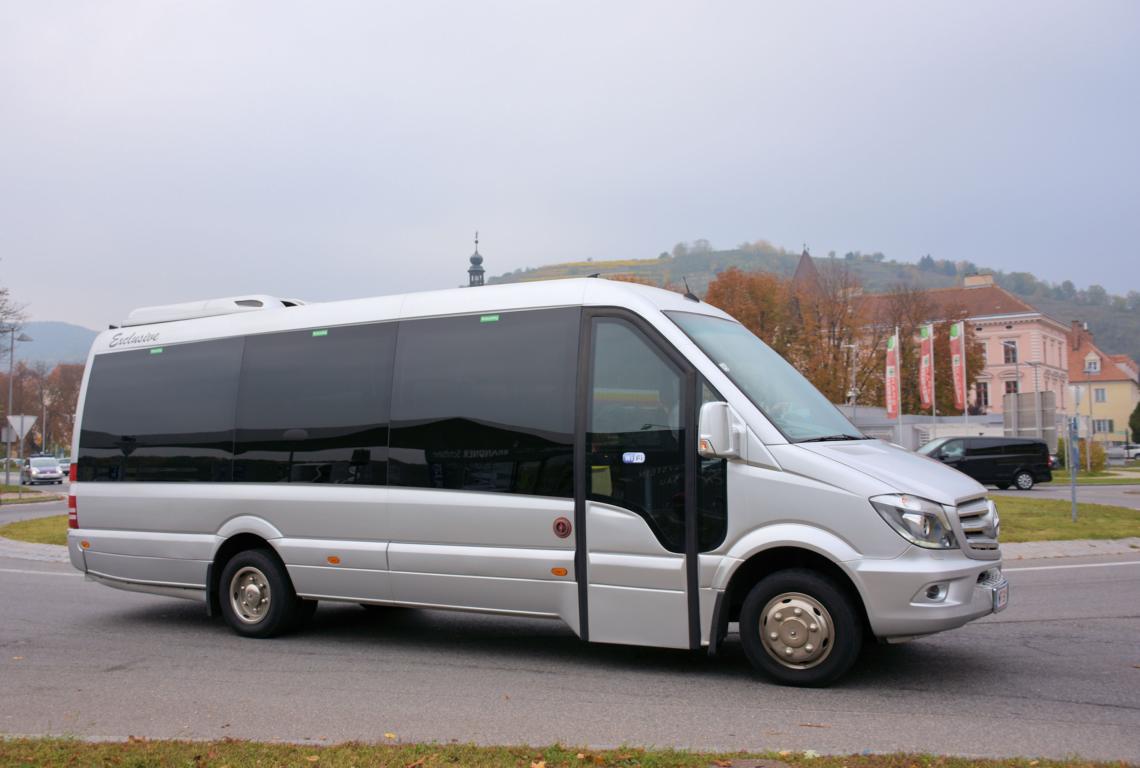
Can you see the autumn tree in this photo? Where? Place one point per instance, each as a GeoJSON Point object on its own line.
{"type": "Point", "coordinates": [832, 325]}
{"type": "Point", "coordinates": [63, 399]}
{"type": "Point", "coordinates": [759, 300]}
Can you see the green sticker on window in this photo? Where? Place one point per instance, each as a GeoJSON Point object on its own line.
{"type": "Point", "coordinates": [323, 332]}
{"type": "Point", "coordinates": [488, 318]}
{"type": "Point", "coordinates": [156, 351]}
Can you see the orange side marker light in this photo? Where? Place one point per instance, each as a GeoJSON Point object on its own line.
{"type": "Point", "coordinates": [333, 560]}
{"type": "Point", "coordinates": [559, 571]}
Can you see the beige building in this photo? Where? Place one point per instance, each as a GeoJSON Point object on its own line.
{"type": "Point", "coordinates": [1109, 387]}
{"type": "Point", "coordinates": [1025, 349]}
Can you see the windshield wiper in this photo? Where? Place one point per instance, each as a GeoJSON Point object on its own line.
{"type": "Point", "coordinates": [832, 438]}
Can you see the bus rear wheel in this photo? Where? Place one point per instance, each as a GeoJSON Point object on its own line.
{"type": "Point", "coordinates": [256, 596]}
{"type": "Point", "coordinates": [798, 627]}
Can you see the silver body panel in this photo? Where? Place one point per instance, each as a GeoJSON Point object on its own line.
{"type": "Point", "coordinates": [498, 552]}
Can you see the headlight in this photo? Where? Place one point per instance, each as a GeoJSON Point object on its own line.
{"type": "Point", "coordinates": [919, 521]}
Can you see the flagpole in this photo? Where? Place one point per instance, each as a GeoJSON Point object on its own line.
{"type": "Point", "coordinates": [965, 377]}
{"type": "Point", "coordinates": [898, 383]}
{"type": "Point", "coordinates": [933, 391]}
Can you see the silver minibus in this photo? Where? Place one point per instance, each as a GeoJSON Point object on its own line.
{"type": "Point", "coordinates": [625, 459]}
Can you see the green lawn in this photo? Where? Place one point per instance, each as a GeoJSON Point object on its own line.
{"type": "Point", "coordinates": [42, 530]}
{"type": "Point", "coordinates": [15, 488]}
{"type": "Point", "coordinates": [247, 754]}
{"type": "Point", "coordinates": [1032, 519]}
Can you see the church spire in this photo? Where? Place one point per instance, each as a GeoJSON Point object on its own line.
{"type": "Point", "coordinates": [475, 271]}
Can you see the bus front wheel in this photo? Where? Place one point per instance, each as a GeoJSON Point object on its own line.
{"type": "Point", "coordinates": [798, 627]}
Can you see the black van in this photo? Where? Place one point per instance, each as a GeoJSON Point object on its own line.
{"type": "Point", "coordinates": [1000, 461]}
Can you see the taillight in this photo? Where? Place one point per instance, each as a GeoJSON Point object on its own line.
{"type": "Point", "coordinates": [71, 472]}
{"type": "Point", "coordinates": [72, 512]}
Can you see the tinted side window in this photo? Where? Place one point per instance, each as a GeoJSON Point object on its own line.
{"type": "Point", "coordinates": [635, 446]}
{"type": "Point", "coordinates": [161, 414]}
{"type": "Point", "coordinates": [983, 447]}
{"type": "Point", "coordinates": [486, 403]}
{"type": "Point", "coordinates": [313, 406]}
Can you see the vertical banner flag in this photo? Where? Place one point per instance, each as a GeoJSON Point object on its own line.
{"type": "Point", "coordinates": [892, 382]}
{"type": "Point", "coordinates": [926, 365]}
{"type": "Point", "coordinates": [958, 363]}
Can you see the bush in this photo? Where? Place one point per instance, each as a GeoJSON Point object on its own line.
{"type": "Point", "coordinates": [1098, 457]}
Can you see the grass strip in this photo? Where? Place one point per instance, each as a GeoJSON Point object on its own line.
{"type": "Point", "coordinates": [38, 499]}
{"type": "Point", "coordinates": [41, 530]}
{"type": "Point", "coordinates": [13, 488]}
{"type": "Point", "coordinates": [1033, 519]}
{"type": "Point", "coordinates": [243, 754]}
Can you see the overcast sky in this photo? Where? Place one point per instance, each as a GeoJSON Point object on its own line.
{"type": "Point", "coordinates": [155, 152]}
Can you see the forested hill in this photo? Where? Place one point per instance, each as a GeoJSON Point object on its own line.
{"type": "Point", "coordinates": [1114, 320]}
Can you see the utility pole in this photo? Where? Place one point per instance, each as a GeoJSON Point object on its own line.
{"type": "Point", "coordinates": [11, 331]}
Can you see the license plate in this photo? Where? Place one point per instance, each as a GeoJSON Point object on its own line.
{"type": "Point", "coordinates": [1001, 597]}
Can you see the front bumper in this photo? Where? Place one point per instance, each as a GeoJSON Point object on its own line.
{"type": "Point", "coordinates": [923, 591]}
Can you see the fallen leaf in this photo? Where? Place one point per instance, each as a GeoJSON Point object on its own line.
{"type": "Point", "coordinates": [416, 764]}
{"type": "Point", "coordinates": [722, 763]}
{"type": "Point", "coordinates": [538, 764]}
{"type": "Point", "coordinates": [17, 658]}
{"type": "Point", "coordinates": [313, 758]}
{"type": "Point", "coordinates": [784, 752]}
{"type": "Point", "coordinates": [581, 755]}
{"type": "Point", "coordinates": [390, 736]}
{"type": "Point", "coordinates": [1034, 762]}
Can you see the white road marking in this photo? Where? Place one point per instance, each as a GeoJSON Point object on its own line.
{"type": "Point", "coordinates": [37, 573]}
{"type": "Point", "coordinates": [1059, 567]}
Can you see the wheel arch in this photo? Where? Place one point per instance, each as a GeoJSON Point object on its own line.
{"type": "Point", "coordinates": [239, 539]}
{"type": "Point", "coordinates": [779, 557]}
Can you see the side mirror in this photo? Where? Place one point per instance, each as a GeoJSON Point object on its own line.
{"type": "Point", "coordinates": [719, 432]}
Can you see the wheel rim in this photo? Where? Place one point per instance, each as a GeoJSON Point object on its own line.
{"type": "Point", "coordinates": [1024, 482]}
{"type": "Point", "coordinates": [797, 630]}
{"type": "Point", "coordinates": [250, 596]}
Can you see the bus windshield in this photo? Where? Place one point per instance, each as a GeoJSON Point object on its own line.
{"type": "Point", "coordinates": [781, 393]}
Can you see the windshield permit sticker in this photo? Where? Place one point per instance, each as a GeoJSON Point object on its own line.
{"type": "Point", "coordinates": [488, 318]}
{"type": "Point", "coordinates": [156, 350]}
{"type": "Point", "coordinates": [633, 457]}
{"type": "Point", "coordinates": [322, 332]}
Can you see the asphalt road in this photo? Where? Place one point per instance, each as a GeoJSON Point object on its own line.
{"type": "Point", "coordinates": [1058, 673]}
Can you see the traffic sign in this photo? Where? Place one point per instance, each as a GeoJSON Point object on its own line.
{"type": "Point", "coordinates": [22, 425]}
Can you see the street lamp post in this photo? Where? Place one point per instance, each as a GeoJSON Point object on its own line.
{"type": "Point", "coordinates": [11, 331]}
{"type": "Point", "coordinates": [1037, 398]}
{"type": "Point", "coordinates": [852, 393]}
{"type": "Point", "coordinates": [1011, 345]}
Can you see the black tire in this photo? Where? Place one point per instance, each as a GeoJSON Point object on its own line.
{"type": "Point", "coordinates": [279, 609]}
{"type": "Point", "coordinates": [839, 651]}
{"type": "Point", "coordinates": [1023, 481]}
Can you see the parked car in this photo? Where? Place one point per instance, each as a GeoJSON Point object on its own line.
{"type": "Point", "coordinates": [1132, 451]}
{"type": "Point", "coordinates": [40, 469]}
{"type": "Point", "coordinates": [1000, 461]}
